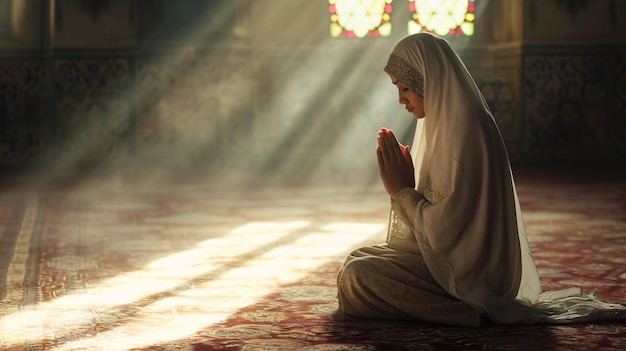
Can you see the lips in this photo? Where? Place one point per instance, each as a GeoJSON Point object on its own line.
{"type": "Point", "coordinates": [409, 108]}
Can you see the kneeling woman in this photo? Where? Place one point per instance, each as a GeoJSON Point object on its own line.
{"type": "Point", "coordinates": [456, 252]}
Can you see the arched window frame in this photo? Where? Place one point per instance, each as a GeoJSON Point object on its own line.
{"type": "Point", "coordinates": [461, 28]}
{"type": "Point", "coordinates": [340, 26]}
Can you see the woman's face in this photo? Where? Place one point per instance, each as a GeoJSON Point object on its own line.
{"type": "Point", "coordinates": [411, 101]}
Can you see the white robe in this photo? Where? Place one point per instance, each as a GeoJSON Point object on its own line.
{"type": "Point", "coordinates": [464, 216]}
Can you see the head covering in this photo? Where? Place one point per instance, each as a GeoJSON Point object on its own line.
{"type": "Point", "coordinates": [471, 235]}
{"type": "Point", "coordinates": [406, 74]}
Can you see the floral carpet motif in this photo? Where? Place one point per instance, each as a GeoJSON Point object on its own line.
{"type": "Point", "coordinates": [199, 268]}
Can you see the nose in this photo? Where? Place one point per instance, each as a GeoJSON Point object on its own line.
{"type": "Point", "coordinates": [402, 99]}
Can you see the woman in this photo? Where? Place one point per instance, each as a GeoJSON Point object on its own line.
{"type": "Point", "coordinates": [456, 251]}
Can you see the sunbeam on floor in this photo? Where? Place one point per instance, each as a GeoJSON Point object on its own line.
{"type": "Point", "coordinates": [202, 268]}
{"type": "Point", "coordinates": [177, 294]}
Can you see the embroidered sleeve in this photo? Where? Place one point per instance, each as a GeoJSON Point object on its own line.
{"type": "Point", "coordinates": [432, 193]}
{"type": "Point", "coordinates": [402, 218]}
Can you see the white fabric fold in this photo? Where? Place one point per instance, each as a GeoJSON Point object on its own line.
{"type": "Point", "coordinates": [464, 214]}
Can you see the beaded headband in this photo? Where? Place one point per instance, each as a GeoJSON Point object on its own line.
{"type": "Point", "coordinates": [405, 74]}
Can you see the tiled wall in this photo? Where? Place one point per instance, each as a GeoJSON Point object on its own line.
{"type": "Point", "coordinates": [24, 135]}
{"type": "Point", "coordinates": [165, 103]}
{"type": "Point", "coordinates": [93, 102]}
{"type": "Point", "coordinates": [575, 104]}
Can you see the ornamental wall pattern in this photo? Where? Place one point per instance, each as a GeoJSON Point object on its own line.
{"type": "Point", "coordinates": [575, 106]}
{"type": "Point", "coordinates": [570, 107]}
{"type": "Point", "coordinates": [176, 105]}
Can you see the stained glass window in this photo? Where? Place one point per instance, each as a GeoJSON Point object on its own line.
{"type": "Point", "coordinates": [442, 17]}
{"type": "Point", "coordinates": [359, 18]}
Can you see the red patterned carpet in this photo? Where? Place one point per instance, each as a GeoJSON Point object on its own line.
{"type": "Point", "coordinates": [199, 268]}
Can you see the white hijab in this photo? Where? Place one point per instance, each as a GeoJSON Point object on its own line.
{"type": "Point", "coordinates": [472, 234]}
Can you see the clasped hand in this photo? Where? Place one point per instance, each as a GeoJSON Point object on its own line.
{"type": "Point", "coordinates": [394, 162]}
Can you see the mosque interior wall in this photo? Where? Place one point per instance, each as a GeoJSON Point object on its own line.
{"type": "Point", "coordinates": [138, 83]}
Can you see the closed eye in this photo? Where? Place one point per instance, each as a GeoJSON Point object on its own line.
{"type": "Point", "coordinates": [402, 88]}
